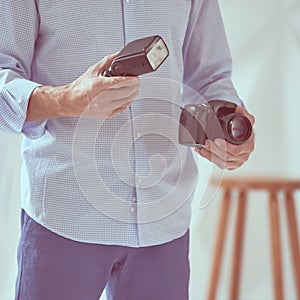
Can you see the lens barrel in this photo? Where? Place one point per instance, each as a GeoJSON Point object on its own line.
{"type": "Point", "coordinates": [237, 128]}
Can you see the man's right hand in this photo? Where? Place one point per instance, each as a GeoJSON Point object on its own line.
{"type": "Point", "coordinates": [91, 94]}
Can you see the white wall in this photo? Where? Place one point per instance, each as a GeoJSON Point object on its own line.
{"type": "Point", "coordinates": [264, 36]}
{"type": "Point", "coordinates": [10, 162]}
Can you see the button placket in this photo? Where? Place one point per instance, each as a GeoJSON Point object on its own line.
{"type": "Point", "coordinates": [139, 180]}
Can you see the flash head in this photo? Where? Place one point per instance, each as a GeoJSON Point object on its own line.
{"type": "Point", "coordinates": [139, 57]}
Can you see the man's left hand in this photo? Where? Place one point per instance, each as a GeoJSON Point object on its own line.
{"type": "Point", "coordinates": [226, 155]}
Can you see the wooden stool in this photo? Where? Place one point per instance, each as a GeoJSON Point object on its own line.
{"type": "Point", "coordinates": [243, 186]}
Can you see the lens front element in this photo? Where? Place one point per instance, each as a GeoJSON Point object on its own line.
{"type": "Point", "coordinates": [239, 129]}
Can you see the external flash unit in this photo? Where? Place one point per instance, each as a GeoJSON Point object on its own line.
{"type": "Point", "coordinates": [139, 57]}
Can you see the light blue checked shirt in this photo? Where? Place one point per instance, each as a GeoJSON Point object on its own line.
{"type": "Point", "coordinates": [124, 181]}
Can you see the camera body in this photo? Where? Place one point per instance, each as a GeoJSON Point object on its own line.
{"type": "Point", "coordinates": [139, 57]}
{"type": "Point", "coordinates": [215, 119]}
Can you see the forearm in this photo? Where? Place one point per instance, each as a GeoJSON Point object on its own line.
{"type": "Point", "coordinates": [47, 102]}
{"type": "Point", "coordinates": [96, 96]}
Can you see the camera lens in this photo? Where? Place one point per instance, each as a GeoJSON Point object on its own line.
{"type": "Point", "coordinates": [239, 129]}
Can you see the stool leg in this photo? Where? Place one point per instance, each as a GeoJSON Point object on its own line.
{"type": "Point", "coordinates": [275, 245]}
{"type": "Point", "coordinates": [238, 246]}
{"type": "Point", "coordinates": [218, 251]}
{"type": "Point", "coordinates": [294, 238]}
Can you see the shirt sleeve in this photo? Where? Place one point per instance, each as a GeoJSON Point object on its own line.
{"type": "Point", "coordinates": [19, 24]}
{"type": "Point", "coordinates": [206, 56]}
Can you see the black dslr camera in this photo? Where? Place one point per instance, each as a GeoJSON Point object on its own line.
{"type": "Point", "coordinates": [139, 57]}
{"type": "Point", "coordinates": [216, 119]}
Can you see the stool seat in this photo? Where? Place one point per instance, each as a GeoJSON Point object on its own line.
{"type": "Point", "coordinates": [258, 183]}
{"type": "Point", "coordinates": [244, 185]}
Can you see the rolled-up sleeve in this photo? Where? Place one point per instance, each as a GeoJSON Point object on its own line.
{"type": "Point", "coordinates": [19, 23]}
{"type": "Point", "coordinates": [206, 55]}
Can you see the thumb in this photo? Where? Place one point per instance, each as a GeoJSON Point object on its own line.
{"type": "Point", "coordinates": [99, 67]}
{"type": "Point", "coordinates": [244, 112]}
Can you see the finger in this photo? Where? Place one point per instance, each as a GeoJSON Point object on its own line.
{"type": "Point", "coordinates": [125, 81]}
{"type": "Point", "coordinates": [99, 67]}
{"type": "Point", "coordinates": [248, 146]}
{"type": "Point", "coordinates": [121, 107]}
{"type": "Point", "coordinates": [245, 113]}
{"type": "Point", "coordinates": [118, 111]}
{"type": "Point", "coordinates": [127, 100]}
{"type": "Point", "coordinates": [218, 149]}
{"type": "Point", "coordinates": [213, 158]}
{"type": "Point", "coordinates": [235, 150]}
{"type": "Point", "coordinates": [118, 81]}
{"type": "Point", "coordinates": [123, 92]}
{"type": "Point", "coordinates": [222, 152]}
{"type": "Point", "coordinates": [220, 145]}
{"type": "Point", "coordinates": [219, 162]}
{"type": "Point", "coordinates": [98, 106]}
{"type": "Point", "coordinates": [116, 94]}
{"type": "Point", "coordinates": [224, 155]}
{"type": "Point", "coordinates": [95, 113]}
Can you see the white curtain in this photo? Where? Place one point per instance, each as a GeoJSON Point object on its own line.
{"type": "Point", "coordinates": [264, 36]}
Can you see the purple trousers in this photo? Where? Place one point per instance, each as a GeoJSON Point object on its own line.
{"type": "Point", "coordinates": [52, 267]}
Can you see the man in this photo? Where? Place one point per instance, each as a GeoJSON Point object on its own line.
{"type": "Point", "coordinates": [106, 189]}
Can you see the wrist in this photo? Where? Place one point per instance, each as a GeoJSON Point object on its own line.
{"type": "Point", "coordinates": [65, 99]}
{"type": "Point", "coordinates": [73, 99]}
{"type": "Point", "coordinates": [48, 102]}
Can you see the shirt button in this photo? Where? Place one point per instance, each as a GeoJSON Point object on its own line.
{"type": "Point", "coordinates": [127, 1]}
{"type": "Point", "coordinates": [139, 180]}
{"type": "Point", "coordinates": [134, 199]}
{"type": "Point", "coordinates": [133, 209]}
{"type": "Point", "coordinates": [138, 134]}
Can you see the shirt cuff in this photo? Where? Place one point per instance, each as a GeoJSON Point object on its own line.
{"type": "Point", "coordinates": [34, 129]}
{"type": "Point", "coordinates": [21, 89]}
